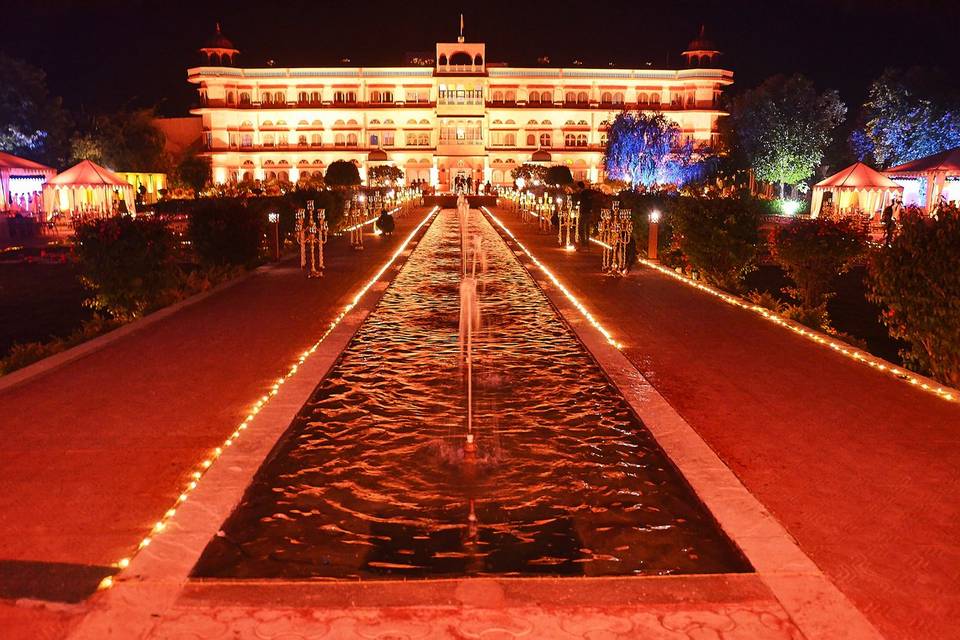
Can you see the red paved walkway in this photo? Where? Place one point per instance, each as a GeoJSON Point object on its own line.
{"type": "Point", "coordinates": [93, 453]}
{"type": "Point", "coordinates": [860, 468]}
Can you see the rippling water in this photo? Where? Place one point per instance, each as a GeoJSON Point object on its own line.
{"type": "Point", "coordinates": [370, 480]}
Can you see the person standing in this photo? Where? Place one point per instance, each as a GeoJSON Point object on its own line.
{"type": "Point", "coordinates": [886, 218]}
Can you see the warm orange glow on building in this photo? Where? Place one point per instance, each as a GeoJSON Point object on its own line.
{"type": "Point", "coordinates": [462, 116]}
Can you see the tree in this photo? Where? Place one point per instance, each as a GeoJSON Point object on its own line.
{"type": "Point", "coordinates": [342, 173]}
{"type": "Point", "coordinates": [720, 237]}
{"type": "Point", "coordinates": [128, 263]}
{"type": "Point", "coordinates": [813, 252]}
{"type": "Point", "coordinates": [384, 175]}
{"type": "Point", "coordinates": [558, 176]}
{"type": "Point", "coordinates": [639, 146]}
{"type": "Point", "coordinates": [225, 231]}
{"type": "Point", "coordinates": [194, 171]}
{"type": "Point", "coordinates": [33, 124]}
{"type": "Point", "coordinates": [917, 283]}
{"type": "Point", "coordinates": [908, 115]}
{"type": "Point", "coordinates": [530, 173]}
{"type": "Point", "coordinates": [784, 127]}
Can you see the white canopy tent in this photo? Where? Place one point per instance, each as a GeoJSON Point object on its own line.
{"type": "Point", "coordinates": [857, 190]}
{"type": "Point", "coordinates": [87, 189]}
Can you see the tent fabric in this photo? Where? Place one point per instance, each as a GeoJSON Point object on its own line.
{"type": "Point", "coordinates": [87, 189]}
{"type": "Point", "coordinates": [945, 161]}
{"type": "Point", "coordinates": [855, 190]}
{"type": "Point", "coordinates": [858, 176]}
{"type": "Point", "coordinates": [12, 166]}
{"type": "Point", "coordinates": [8, 161]}
{"type": "Point", "coordinates": [86, 172]}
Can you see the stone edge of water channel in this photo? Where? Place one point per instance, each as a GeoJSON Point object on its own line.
{"type": "Point", "coordinates": [818, 608]}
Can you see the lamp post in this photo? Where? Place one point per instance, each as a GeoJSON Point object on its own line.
{"type": "Point", "coordinates": [653, 236]}
{"type": "Point", "coordinates": [274, 219]}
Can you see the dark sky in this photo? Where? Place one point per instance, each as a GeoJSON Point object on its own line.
{"type": "Point", "coordinates": [101, 54]}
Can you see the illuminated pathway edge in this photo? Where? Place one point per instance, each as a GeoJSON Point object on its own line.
{"type": "Point", "coordinates": [210, 480]}
{"type": "Point", "coordinates": [818, 608]}
{"type": "Point", "coordinates": [154, 590]}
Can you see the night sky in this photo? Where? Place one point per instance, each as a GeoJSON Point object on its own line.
{"type": "Point", "coordinates": [101, 55]}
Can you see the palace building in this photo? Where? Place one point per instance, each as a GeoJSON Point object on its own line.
{"type": "Point", "coordinates": [462, 115]}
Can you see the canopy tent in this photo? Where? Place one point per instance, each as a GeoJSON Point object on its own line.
{"type": "Point", "coordinates": [858, 189]}
{"type": "Point", "coordinates": [934, 170]}
{"type": "Point", "coordinates": [89, 189]}
{"type": "Point", "coordinates": [21, 182]}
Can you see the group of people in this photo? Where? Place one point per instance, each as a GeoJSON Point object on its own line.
{"type": "Point", "coordinates": [466, 184]}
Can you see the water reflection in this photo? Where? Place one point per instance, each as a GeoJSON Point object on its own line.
{"type": "Point", "coordinates": [370, 481]}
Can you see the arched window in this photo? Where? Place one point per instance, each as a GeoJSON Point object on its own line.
{"type": "Point", "coordinates": [654, 98]}
{"type": "Point", "coordinates": [268, 140]}
{"type": "Point", "coordinates": [510, 96]}
{"type": "Point", "coordinates": [582, 97]}
{"type": "Point", "coordinates": [314, 96]}
{"type": "Point", "coordinates": [246, 140]}
{"type": "Point", "coordinates": [569, 140]}
{"type": "Point", "coordinates": [606, 97]}
{"type": "Point", "coordinates": [278, 97]}
{"type": "Point", "coordinates": [544, 139]}
{"type": "Point", "coordinates": [302, 139]}
{"type": "Point", "coordinates": [581, 139]}
{"type": "Point", "coordinates": [461, 58]}
{"type": "Point", "coordinates": [266, 123]}
{"type": "Point", "coordinates": [283, 176]}
{"type": "Point", "coordinates": [302, 97]}
{"type": "Point", "coordinates": [546, 97]}
{"type": "Point", "coordinates": [478, 60]}
{"type": "Point", "coordinates": [271, 175]}
{"type": "Point", "coordinates": [442, 60]}
{"type": "Point", "coordinates": [510, 140]}
{"type": "Point", "coordinates": [531, 140]}
{"type": "Point", "coordinates": [534, 97]}
{"type": "Point", "coordinates": [315, 140]}
{"type": "Point", "coordinates": [643, 98]}
{"type": "Point", "coordinates": [340, 140]}
{"type": "Point", "coordinates": [374, 96]}
{"type": "Point", "coordinates": [498, 96]}
{"type": "Point", "coordinates": [387, 96]}
{"type": "Point", "coordinates": [374, 140]}
{"type": "Point", "coordinates": [618, 97]}
{"type": "Point", "coordinates": [245, 97]}
{"type": "Point", "coordinates": [570, 97]}
{"type": "Point", "coordinates": [230, 97]}
{"type": "Point", "coordinates": [351, 139]}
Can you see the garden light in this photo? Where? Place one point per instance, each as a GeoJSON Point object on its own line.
{"type": "Point", "coordinates": [654, 217]}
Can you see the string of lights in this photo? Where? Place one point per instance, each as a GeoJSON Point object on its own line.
{"type": "Point", "coordinates": [566, 292]}
{"type": "Point", "coordinates": [857, 355]}
{"type": "Point", "coordinates": [197, 475]}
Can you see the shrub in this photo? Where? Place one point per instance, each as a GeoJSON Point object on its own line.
{"type": "Point", "coordinates": [719, 236]}
{"type": "Point", "coordinates": [767, 300]}
{"type": "Point", "coordinates": [917, 282]}
{"type": "Point", "coordinates": [558, 175]}
{"type": "Point", "coordinates": [226, 231]}
{"type": "Point", "coordinates": [813, 252]}
{"type": "Point", "coordinates": [23, 354]}
{"type": "Point", "coordinates": [127, 263]}
{"type": "Point", "coordinates": [384, 174]}
{"type": "Point", "coordinates": [342, 173]}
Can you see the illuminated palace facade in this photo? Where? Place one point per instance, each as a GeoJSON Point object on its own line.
{"type": "Point", "coordinates": [459, 116]}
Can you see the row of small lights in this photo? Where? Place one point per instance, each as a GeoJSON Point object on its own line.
{"type": "Point", "coordinates": [204, 466]}
{"type": "Point", "coordinates": [809, 334]}
{"type": "Point", "coordinates": [814, 336]}
{"type": "Point", "coordinates": [572, 298]}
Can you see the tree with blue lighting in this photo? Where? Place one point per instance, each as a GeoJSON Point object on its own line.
{"type": "Point", "coordinates": [784, 127]}
{"type": "Point", "coordinates": [647, 149]}
{"type": "Point", "coordinates": [910, 114]}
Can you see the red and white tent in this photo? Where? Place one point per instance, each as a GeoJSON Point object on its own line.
{"type": "Point", "coordinates": [935, 170]}
{"type": "Point", "coordinates": [857, 190]}
{"type": "Point", "coordinates": [21, 180]}
{"type": "Point", "coordinates": [87, 188]}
